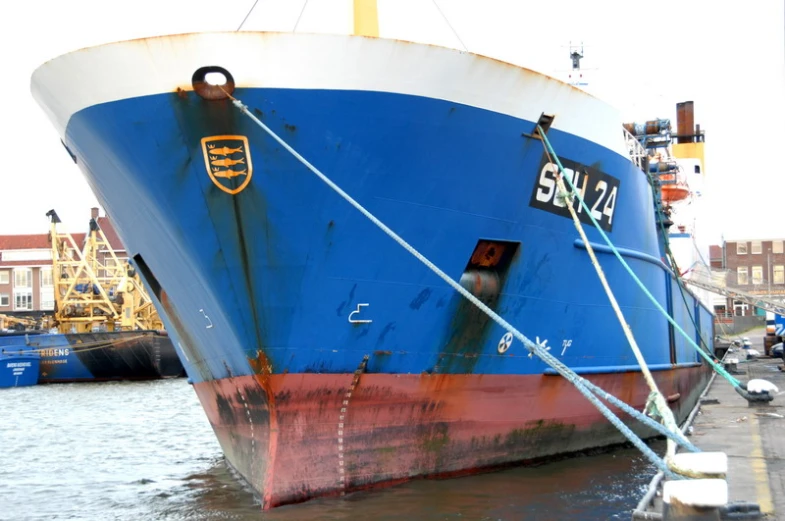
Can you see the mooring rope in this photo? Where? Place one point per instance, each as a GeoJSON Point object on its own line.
{"type": "Point", "coordinates": [656, 397]}
{"type": "Point", "coordinates": [733, 381]}
{"type": "Point", "coordinates": [534, 348]}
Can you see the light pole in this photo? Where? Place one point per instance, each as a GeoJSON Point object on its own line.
{"type": "Point", "coordinates": [768, 270]}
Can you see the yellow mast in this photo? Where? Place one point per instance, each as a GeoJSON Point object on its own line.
{"type": "Point", "coordinates": [366, 18]}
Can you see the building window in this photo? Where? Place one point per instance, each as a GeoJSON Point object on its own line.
{"type": "Point", "coordinates": [47, 299]}
{"type": "Point", "coordinates": [779, 275]}
{"type": "Point", "coordinates": [741, 248]}
{"type": "Point", "coordinates": [23, 278]}
{"type": "Point", "coordinates": [4, 277]}
{"type": "Point", "coordinates": [23, 300]}
{"type": "Point", "coordinates": [113, 269]}
{"type": "Point", "coordinates": [776, 246]}
{"type": "Point", "coordinates": [5, 301]}
{"type": "Point", "coordinates": [109, 268]}
{"type": "Point", "coordinates": [757, 274]}
{"type": "Point", "coordinates": [47, 292]}
{"type": "Point", "coordinates": [756, 247]}
{"type": "Point", "coordinates": [46, 277]}
{"type": "Point", "coordinates": [741, 275]}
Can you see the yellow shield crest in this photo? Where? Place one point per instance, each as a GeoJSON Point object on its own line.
{"type": "Point", "coordinates": [228, 162]}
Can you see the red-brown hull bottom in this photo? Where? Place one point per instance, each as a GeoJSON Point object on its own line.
{"type": "Point", "coordinates": [298, 436]}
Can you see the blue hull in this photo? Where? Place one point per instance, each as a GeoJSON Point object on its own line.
{"type": "Point", "coordinates": [278, 268]}
{"type": "Point", "coordinates": [133, 355]}
{"type": "Point", "coordinates": [327, 358]}
{"type": "Point", "coordinates": [18, 368]}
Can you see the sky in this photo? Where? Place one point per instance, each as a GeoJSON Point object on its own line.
{"type": "Point", "coordinates": [642, 57]}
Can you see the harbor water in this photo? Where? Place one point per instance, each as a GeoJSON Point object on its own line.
{"type": "Point", "coordinates": [145, 451]}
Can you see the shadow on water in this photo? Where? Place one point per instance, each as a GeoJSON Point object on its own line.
{"type": "Point", "coordinates": [598, 487]}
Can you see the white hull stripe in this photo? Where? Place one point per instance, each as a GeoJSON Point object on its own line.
{"type": "Point", "coordinates": [123, 70]}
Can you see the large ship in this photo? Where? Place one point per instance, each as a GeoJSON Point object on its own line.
{"type": "Point", "coordinates": [328, 358]}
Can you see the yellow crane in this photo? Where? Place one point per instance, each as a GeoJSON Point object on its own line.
{"type": "Point", "coordinates": [93, 290]}
{"type": "Point", "coordinates": [8, 322]}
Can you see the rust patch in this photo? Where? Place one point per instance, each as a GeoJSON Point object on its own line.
{"type": "Point", "coordinates": [433, 384]}
{"type": "Point", "coordinates": [468, 328]}
{"type": "Point", "coordinates": [628, 386]}
{"type": "Point", "coordinates": [263, 368]}
{"type": "Point", "coordinates": [261, 365]}
{"type": "Point", "coordinates": [484, 277]}
{"type": "Point", "coordinates": [488, 253]}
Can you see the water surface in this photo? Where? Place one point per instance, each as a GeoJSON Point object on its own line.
{"type": "Point", "coordinates": [145, 451]}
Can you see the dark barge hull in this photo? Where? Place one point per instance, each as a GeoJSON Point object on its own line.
{"type": "Point", "coordinates": [99, 356]}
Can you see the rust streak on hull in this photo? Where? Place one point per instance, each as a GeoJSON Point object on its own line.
{"type": "Point", "coordinates": [401, 427]}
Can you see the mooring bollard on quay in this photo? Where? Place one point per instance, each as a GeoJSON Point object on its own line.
{"type": "Point", "coordinates": [696, 499]}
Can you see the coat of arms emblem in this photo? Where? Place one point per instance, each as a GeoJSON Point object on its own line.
{"type": "Point", "coordinates": [228, 162]}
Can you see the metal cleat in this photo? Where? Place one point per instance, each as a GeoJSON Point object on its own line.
{"type": "Point", "coordinates": [757, 391]}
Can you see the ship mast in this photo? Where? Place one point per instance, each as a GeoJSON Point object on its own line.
{"type": "Point", "coordinates": [366, 18]}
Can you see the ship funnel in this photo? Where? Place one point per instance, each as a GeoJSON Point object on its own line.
{"type": "Point", "coordinates": [689, 139]}
{"type": "Point", "coordinates": [686, 130]}
{"type": "Point", "coordinates": [685, 122]}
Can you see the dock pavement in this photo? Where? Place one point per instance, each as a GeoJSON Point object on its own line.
{"type": "Point", "coordinates": [752, 436]}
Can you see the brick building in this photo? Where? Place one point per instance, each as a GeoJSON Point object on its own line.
{"type": "Point", "coordinates": [26, 283]}
{"type": "Point", "coordinates": [716, 259]}
{"type": "Point", "coordinates": [756, 267]}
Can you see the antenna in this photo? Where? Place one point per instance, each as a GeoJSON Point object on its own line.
{"type": "Point", "coordinates": [574, 76]}
{"type": "Point", "coordinates": [576, 56]}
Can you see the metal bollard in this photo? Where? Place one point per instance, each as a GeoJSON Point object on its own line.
{"type": "Point", "coordinates": [680, 512]}
{"type": "Point", "coordinates": [694, 500]}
